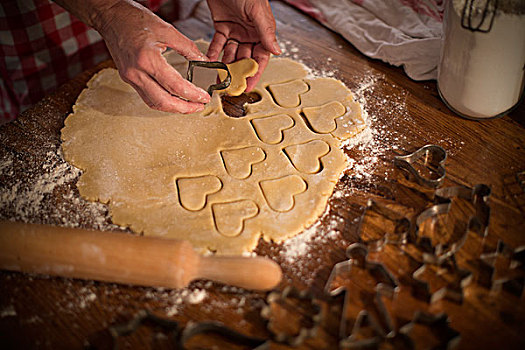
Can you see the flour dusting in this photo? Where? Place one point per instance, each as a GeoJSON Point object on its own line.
{"type": "Point", "coordinates": [46, 193]}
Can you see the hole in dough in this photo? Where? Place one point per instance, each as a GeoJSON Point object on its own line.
{"type": "Point", "coordinates": [235, 106]}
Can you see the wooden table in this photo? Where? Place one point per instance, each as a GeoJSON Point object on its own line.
{"type": "Point", "coordinates": [48, 312]}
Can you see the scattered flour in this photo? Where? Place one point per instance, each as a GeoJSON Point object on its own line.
{"type": "Point", "coordinates": [29, 196]}
{"type": "Point", "coordinates": [185, 296]}
{"type": "Point", "coordinates": [8, 311]}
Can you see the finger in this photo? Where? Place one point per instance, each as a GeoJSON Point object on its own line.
{"type": "Point", "coordinates": [175, 84]}
{"type": "Point", "coordinates": [262, 57]}
{"type": "Point", "coordinates": [172, 81]}
{"type": "Point", "coordinates": [244, 51]}
{"type": "Point", "coordinates": [230, 51]}
{"type": "Point", "coordinates": [158, 98]}
{"type": "Point", "coordinates": [182, 44]}
{"type": "Point", "coordinates": [264, 21]}
{"type": "Point", "coordinates": [216, 46]}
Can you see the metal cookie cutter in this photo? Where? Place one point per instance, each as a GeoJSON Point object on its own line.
{"type": "Point", "coordinates": [183, 335]}
{"type": "Point", "coordinates": [503, 269]}
{"type": "Point", "coordinates": [479, 222]}
{"type": "Point", "coordinates": [213, 65]}
{"type": "Point", "coordinates": [280, 298]}
{"type": "Point", "coordinates": [382, 325]}
{"type": "Point", "coordinates": [385, 285]}
{"type": "Point", "coordinates": [429, 153]}
{"type": "Point", "coordinates": [438, 324]}
{"type": "Point", "coordinates": [399, 236]}
{"type": "Point", "coordinates": [451, 289]}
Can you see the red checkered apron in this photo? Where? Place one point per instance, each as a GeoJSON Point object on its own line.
{"type": "Point", "coordinates": [41, 47]}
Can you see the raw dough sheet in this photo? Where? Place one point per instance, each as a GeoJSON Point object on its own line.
{"type": "Point", "coordinates": [219, 182]}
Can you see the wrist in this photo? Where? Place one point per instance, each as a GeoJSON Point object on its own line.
{"type": "Point", "coordinates": [103, 13]}
{"type": "Point", "coordinates": [94, 13]}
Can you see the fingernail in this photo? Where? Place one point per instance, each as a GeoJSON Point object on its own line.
{"type": "Point", "coordinates": [204, 97]}
{"type": "Point", "coordinates": [199, 109]}
{"type": "Point", "coordinates": [276, 48]}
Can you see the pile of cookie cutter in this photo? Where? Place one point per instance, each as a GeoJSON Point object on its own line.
{"type": "Point", "coordinates": [211, 65]}
{"type": "Point", "coordinates": [387, 285]}
{"type": "Point", "coordinates": [478, 223]}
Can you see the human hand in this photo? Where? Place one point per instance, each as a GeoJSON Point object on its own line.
{"type": "Point", "coordinates": [243, 28]}
{"type": "Point", "coordinates": [136, 39]}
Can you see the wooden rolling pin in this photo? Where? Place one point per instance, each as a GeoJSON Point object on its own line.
{"type": "Point", "coordinates": [124, 258]}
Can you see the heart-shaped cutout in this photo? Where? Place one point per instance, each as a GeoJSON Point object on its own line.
{"type": "Point", "coordinates": [230, 217]}
{"type": "Point", "coordinates": [238, 162]}
{"type": "Point", "coordinates": [287, 95]}
{"type": "Point", "coordinates": [193, 191]}
{"type": "Point", "coordinates": [280, 193]}
{"type": "Point", "coordinates": [322, 119]}
{"type": "Point", "coordinates": [270, 129]}
{"type": "Point", "coordinates": [433, 157]}
{"type": "Point", "coordinates": [306, 157]}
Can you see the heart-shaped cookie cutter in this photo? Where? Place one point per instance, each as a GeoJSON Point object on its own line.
{"type": "Point", "coordinates": [427, 152]}
{"type": "Point", "coordinates": [213, 65]}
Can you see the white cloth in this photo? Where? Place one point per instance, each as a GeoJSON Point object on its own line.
{"type": "Point", "coordinates": [400, 32]}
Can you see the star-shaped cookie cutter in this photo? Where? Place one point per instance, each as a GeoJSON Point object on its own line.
{"type": "Point", "coordinates": [304, 333]}
{"type": "Point", "coordinates": [213, 65]}
{"type": "Point", "coordinates": [428, 153]}
{"type": "Point", "coordinates": [438, 324]}
{"type": "Point", "coordinates": [452, 290]}
{"type": "Point", "coordinates": [514, 258]}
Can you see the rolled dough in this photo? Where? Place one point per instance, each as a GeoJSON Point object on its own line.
{"type": "Point", "coordinates": [219, 182]}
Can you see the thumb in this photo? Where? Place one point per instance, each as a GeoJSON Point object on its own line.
{"type": "Point", "coordinates": [184, 46]}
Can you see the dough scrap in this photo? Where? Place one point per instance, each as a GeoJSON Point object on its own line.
{"type": "Point", "coordinates": [239, 71]}
{"type": "Point", "coordinates": [165, 174]}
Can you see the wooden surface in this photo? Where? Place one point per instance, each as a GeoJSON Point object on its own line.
{"type": "Point", "coordinates": [57, 313]}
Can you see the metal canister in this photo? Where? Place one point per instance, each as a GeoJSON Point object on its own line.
{"type": "Point", "coordinates": [481, 73]}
